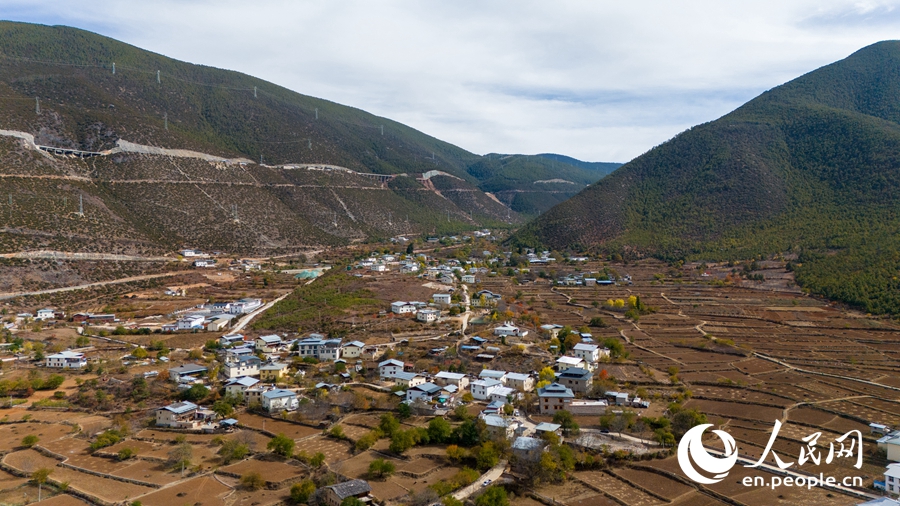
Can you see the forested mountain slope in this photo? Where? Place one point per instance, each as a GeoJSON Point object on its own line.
{"type": "Point", "coordinates": [810, 167]}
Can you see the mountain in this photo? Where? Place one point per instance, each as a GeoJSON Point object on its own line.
{"type": "Point", "coordinates": [603, 168]}
{"type": "Point", "coordinates": [74, 89]}
{"type": "Point", "coordinates": [811, 167]}
{"type": "Point", "coordinates": [78, 90]}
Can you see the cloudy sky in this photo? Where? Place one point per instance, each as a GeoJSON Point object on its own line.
{"type": "Point", "coordinates": [598, 80]}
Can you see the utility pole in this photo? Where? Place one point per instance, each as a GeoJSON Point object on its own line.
{"type": "Point", "coordinates": [37, 105]}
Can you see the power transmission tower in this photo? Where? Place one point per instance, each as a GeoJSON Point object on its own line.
{"type": "Point", "coordinates": [382, 130]}
{"type": "Point", "coordinates": [317, 113]}
{"type": "Point", "coordinates": [310, 143]}
{"type": "Point", "coordinates": [37, 105]}
{"type": "Point", "coordinates": [157, 77]}
{"type": "Point", "coordinates": [254, 92]}
{"type": "Point", "coordinates": [81, 206]}
{"type": "Point", "coordinates": [114, 68]}
{"type": "Point", "coordinates": [166, 120]}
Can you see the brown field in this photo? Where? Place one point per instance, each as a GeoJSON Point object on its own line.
{"type": "Point", "coordinates": [272, 471]}
{"type": "Point", "coordinates": [335, 451]}
{"type": "Point", "coordinates": [11, 434]}
{"type": "Point", "coordinates": [62, 500]}
{"type": "Point", "coordinates": [661, 485]}
{"type": "Point", "coordinates": [619, 489]}
{"type": "Point", "coordinates": [292, 430]}
{"type": "Point", "coordinates": [103, 488]}
{"type": "Point", "coordinates": [205, 490]}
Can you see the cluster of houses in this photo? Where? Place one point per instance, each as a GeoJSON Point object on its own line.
{"type": "Point", "coordinates": [252, 379]}
{"type": "Point", "coordinates": [213, 317]}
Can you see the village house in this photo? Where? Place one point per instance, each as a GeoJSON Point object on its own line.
{"type": "Point", "coordinates": [504, 395]}
{"type": "Point", "coordinates": [231, 340]}
{"type": "Point", "coordinates": [553, 398]}
{"type": "Point", "coordinates": [890, 444]}
{"type": "Point", "coordinates": [590, 353]}
{"type": "Point", "coordinates": [552, 330]}
{"type": "Point", "coordinates": [269, 344]}
{"type": "Point", "coordinates": [428, 315]}
{"type": "Point", "coordinates": [183, 415]}
{"type": "Point", "coordinates": [353, 349]}
{"type": "Point", "coordinates": [181, 371]}
{"type": "Point", "coordinates": [389, 369]}
{"type": "Point", "coordinates": [498, 427]}
{"type": "Point", "coordinates": [576, 378]}
{"type": "Point", "coordinates": [334, 495]}
{"type": "Point", "coordinates": [408, 379]}
{"type": "Point", "coordinates": [469, 279]}
{"type": "Point", "coordinates": [66, 360]}
{"type": "Point", "coordinates": [892, 478]}
{"type": "Point", "coordinates": [401, 307]}
{"type": "Point", "coordinates": [483, 388]}
{"type": "Point", "coordinates": [444, 378]}
{"type": "Point", "coordinates": [508, 329]}
{"type": "Point", "coordinates": [237, 386]}
{"type": "Point", "coordinates": [520, 382]}
{"type": "Point", "coordinates": [492, 374]}
{"type": "Point", "coordinates": [427, 392]}
{"type": "Point", "coordinates": [279, 399]}
{"type": "Point", "coordinates": [330, 350]}
{"type": "Point", "coordinates": [527, 450]}
{"type": "Point", "coordinates": [190, 322]}
{"type": "Point", "coordinates": [45, 314]}
{"type": "Point", "coordinates": [441, 298]}
{"type": "Point", "coordinates": [546, 427]}
{"type": "Point", "coordinates": [246, 365]}
{"type": "Point", "coordinates": [272, 372]}
{"type": "Point", "coordinates": [244, 306]}
{"type": "Point", "coordinates": [566, 362]}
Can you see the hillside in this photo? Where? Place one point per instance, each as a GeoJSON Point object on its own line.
{"type": "Point", "coordinates": [75, 89]}
{"type": "Point", "coordinates": [811, 167]}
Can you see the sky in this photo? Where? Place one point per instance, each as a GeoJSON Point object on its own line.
{"type": "Point", "coordinates": [597, 80]}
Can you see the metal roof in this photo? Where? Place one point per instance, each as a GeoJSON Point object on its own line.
{"type": "Point", "coordinates": [555, 390]}
{"type": "Point", "coordinates": [527, 443]}
{"type": "Point", "coordinates": [350, 488]}
{"type": "Point", "coordinates": [278, 393]}
{"type": "Point", "coordinates": [181, 407]}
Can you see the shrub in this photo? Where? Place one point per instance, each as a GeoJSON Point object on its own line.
{"type": "Point", "coordinates": [29, 441]}
{"type": "Point", "coordinates": [253, 481]}
{"type": "Point", "coordinates": [301, 492]}
{"type": "Point", "coordinates": [125, 454]}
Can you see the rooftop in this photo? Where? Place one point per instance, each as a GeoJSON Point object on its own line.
{"type": "Point", "coordinates": [555, 390]}
{"type": "Point", "coordinates": [181, 407]}
{"type": "Point", "coordinates": [350, 488]}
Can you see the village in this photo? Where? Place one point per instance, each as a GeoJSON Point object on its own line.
{"type": "Point", "coordinates": [463, 373]}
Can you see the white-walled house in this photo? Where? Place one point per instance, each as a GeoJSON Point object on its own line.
{"type": "Point", "coordinates": [402, 307]}
{"type": "Point", "coordinates": [508, 329]}
{"type": "Point", "coordinates": [279, 400]}
{"type": "Point", "coordinates": [66, 360]}
{"type": "Point", "coordinates": [493, 374]}
{"type": "Point", "coordinates": [237, 386]}
{"type": "Point", "coordinates": [445, 378]}
{"type": "Point", "coordinates": [892, 478]}
{"type": "Point", "coordinates": [590, 353]}
{"type": "Point", "coordinates": [191, 322]}
{"type": "Point", "coordinates": [45, 314]}
{"type": "Point", "coordinates": [353, 349]}
{"type": "Point", "coordinates": [247, 365]}
{"type": "Point", "coordinates": [389, 368]}
{"type": "Point", "coordinates": [483, 388]}
{"type": "Point", "coordinates": [408, 379]}
{"type": "Point", "coordinates": [428, 315]}
{"type": "Point", "coordinates": [441, 298]}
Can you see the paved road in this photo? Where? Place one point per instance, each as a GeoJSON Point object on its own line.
{"type": "Point", "coordinates": [492, 474]}
{"type": "Point", "coordinates": [65, 255]}
{"type": "Point", "coordinates": [247, 319]}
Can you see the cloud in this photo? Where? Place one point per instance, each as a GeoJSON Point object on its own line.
{"type": "Point", "coordinates": [601, 81]}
